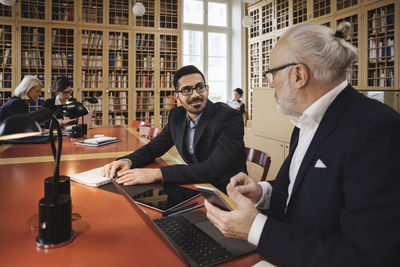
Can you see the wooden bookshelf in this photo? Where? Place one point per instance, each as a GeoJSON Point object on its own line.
{"type": "Point", "coordinates": [126, 62]}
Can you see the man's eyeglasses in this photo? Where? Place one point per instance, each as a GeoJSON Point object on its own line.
{"type": "Point", "coordinates": [188, 90]}
{"type": "Point", "coordinates": [269, 74]}
{"type": "Point", "coordinates": [67, 92]}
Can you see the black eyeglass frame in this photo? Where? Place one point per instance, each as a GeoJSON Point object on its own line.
{"type": "Point", "coordinates": [200, 88]}
{"type": "Point", "coordinates": [271, 71]}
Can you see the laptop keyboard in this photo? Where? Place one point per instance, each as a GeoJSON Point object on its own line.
{"type": "Point", "coordinates": [197, 244]}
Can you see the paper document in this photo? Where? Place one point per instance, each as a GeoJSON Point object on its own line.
{"type": "Point", "coordinates": [91, 178]}
{"type": "Point", "coordinates": [98, 141]}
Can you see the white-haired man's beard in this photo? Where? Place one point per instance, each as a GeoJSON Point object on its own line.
{"type": "Point", "coordinates": [289, 102]}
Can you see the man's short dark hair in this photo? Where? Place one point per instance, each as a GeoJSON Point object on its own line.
{"type": "Point", "coordinates": [239, 91]}
{"type": "Point", "coordinates": [186, 70]}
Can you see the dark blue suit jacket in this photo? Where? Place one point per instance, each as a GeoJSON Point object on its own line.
{"type": "Point", "coordinates": [347, 214]}
{"type": "Point", "coordinates": [13, 106]}
{"type": "Point", "coordinates": [218, 146]}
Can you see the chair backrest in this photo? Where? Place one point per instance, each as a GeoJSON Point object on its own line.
{"type": "Point", "coordinates": [144, 131]}
{"type": "Point", "coordinates": [154, 132]}
{"type": "Point", "coordinates": [149, 132]}
{"type": "Point", "coordinates": [137, 124]}
{"type": "Point", "coordinates": [260, 158]}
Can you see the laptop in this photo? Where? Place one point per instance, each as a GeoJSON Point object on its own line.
{"type": "Point", "coordinates": [198, 242]}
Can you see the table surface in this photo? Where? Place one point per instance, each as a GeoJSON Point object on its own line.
{"type": "Point", "coordinates": [109, 233]}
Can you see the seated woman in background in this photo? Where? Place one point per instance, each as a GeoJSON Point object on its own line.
{"type": "Point", "coordinates": [28, 90]}
{"type": "Point", "coordinates": [62, 91]}
{"type": "Point", "coordinates": [237, 103]}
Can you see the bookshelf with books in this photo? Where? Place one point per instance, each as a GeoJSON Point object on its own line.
{"type": "Point", "coordinates": [101, 47]}
{"type": "Point", "coordinates": [145, 106]}
{"type": "Point", "coordinates": [118, 12]}
{"type": "Point", "coordinates": [167, 102]}
{"type": "Point", "coordinates": [33, 9]}
{"type": "Point", "coordinates": [92, 11]}
{"type": "Point", "coordinates": [62, 53]}
{"type": "Point", "coordinates": [6, 57]}
{"type": "Point", "coordinates": [118, 54]}
{"type": "Point", "coordinates": [63, 10]}
{"type": "Point", "coordinates": [33, 52]}
{"type": "Point", "coordinates": [118, 107]}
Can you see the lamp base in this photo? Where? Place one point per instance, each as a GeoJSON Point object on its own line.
{"type": "Point", "coordinates": [55, 222]}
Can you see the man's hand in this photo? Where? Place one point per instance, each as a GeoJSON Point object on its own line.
{"type": "Point", "coordinates": [139, 176]}
{"type": "Point", "coordinates": [236, 223]}
{"type": "Point", "coordinates": [246, 186]}
{"type": "Point", "coordinates": [109, 170]}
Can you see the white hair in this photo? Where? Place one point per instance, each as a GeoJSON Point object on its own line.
{"type": "Point", "coordinates": [327, 55]}
{"type": "Point", "coordinates": [27, 84]}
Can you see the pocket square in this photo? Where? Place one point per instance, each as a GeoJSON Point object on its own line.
{"type": "Point", "coordinates": [320, 164]}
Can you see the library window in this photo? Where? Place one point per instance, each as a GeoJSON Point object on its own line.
{"type": "Point", "coordinates": [206, 35]}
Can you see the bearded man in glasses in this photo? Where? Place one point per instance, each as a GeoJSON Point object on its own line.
{"type": "Point", "coordinates": [207, 135]}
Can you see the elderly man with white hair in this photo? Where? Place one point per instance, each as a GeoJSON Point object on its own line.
{"type": "Point", "coordinates": [28, 90]}
{"type": "Point", "coordinates": [336, 198]}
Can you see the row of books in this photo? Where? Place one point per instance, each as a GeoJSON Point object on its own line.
{"type": "Point", "coordinates": [381, 18]}
{"type": "Point", "coordinates": [118, 60]}
{"type": "Point", "coordinates": [118, 41]}
{"type": "Point", "coordinates": [117, 120]}
{"type": "Point", "coordinates": [168, 63]}
{"type": "Point", "coordinates": [144, 41]}
{"type": "Point", "coordinates": [95, 107]}
{"type": "Point", "coordinates": [93, 14]}
{"type": "Point", "coordinates": [5, 80]}
{"type": "Point", "coordinates": [62, 59]}
{"type": "Point", "coordinates": [32, 36]}
{"type": "Point", "coordinates": [380, 77]}
{"type": "Point", "coordinates": [120, 20]}
{"type": "Point", "coordinates": [164, 118]}
{"type": "Point", "coordinates": [92, 79]}
{"type": "Point", "coordinates": [168, 102]}
{"type": "Point", "coordinates": [63, 13]}
{"type": "Point", "coordinates": [144, 80]}
{"type": "Point", "coordinates": [144, 61]}
{"type": "Point", "coordinates": [381, 48]}
{"type": "Point", "coordinates": [5, 59]}
{"type": "Point", "coordinates": [32, 58]}
{"type": "Point", "coordinates": [90, 61]}
{"type": "Point", "coordinates": [92, 39]}
{"type": "Point", "coordinates": [166, 80]}
{"type": "Point", "coordinates": [118, 101]}
{"type": "Point", "coordinates": [117, 80]}
{"type": "Point", "coordinates": [144, 100]}
{"type": "Point", "coordinates": [62, 37]}
{"type": "Point", "coordinates": [33, 10]}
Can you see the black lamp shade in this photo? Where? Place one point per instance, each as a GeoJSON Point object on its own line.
{"type": "Point", "coordinates": [75, 109]}
{"type": "Point", "coordinates": [19, 126]}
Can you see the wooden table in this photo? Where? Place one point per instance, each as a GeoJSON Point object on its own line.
{"type": "Point", "coordinates": [110, 232]}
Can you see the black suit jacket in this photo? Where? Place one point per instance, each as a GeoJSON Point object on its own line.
{"type": "Point", "coordinates": [347, 214]}
{"type": "Point", "coordinates": [218, 146]}
{"type": "Point", "coordinates": [13, 106]}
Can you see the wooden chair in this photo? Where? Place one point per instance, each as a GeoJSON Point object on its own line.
{"type": "Point", "coordinates": [154, 132]}
{"type": "Point", "coordinates": [149, 132]}
{"type": "Point", "coordinates": [260, 158]}
{"type": "Point", "coordinates": [137, 124]}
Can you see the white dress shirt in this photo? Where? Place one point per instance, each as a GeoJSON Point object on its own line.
{"type": "Point", "coordinates": [308, 124]}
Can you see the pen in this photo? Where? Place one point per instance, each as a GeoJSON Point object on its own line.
{"type": "Point", "coordinates": [185, 210]}
{"type": "Point", "coordinates": [166, 213]}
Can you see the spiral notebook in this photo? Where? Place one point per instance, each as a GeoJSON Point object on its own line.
{"type": "Point", "coordinates": [92, 178]}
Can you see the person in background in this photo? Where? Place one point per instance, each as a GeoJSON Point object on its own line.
{"type": "Point", "coordinates": [237, 102]}
{"type": "Point", "coordinates": [335, 200]}
{"type": "Point", "coordinates": [28, 90]}
{"type": "Point", "coordinates": [207, 135]}
{"type": "Point", "coordinates": [62, 91]}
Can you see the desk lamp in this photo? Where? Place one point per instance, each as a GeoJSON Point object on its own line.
{"type": "Point", "coordinates": [55, 220]}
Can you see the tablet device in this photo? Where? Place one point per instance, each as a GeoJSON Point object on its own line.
{"type": "Point", "coordinates": [213, 197]}
{"type": "Point", "coordinates": [165, 198]}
